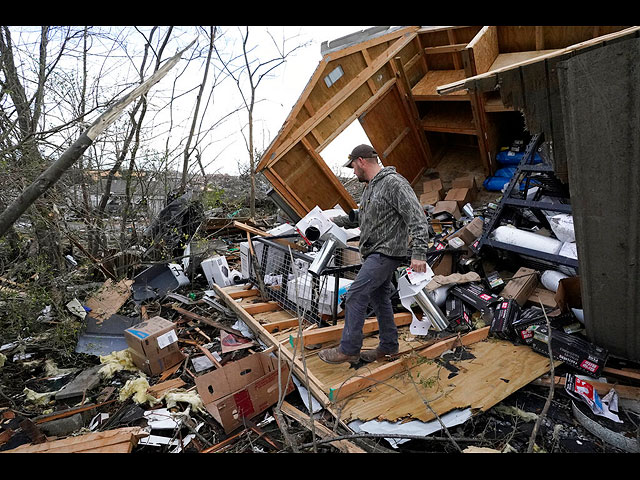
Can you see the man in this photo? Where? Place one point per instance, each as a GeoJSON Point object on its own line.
{"type": "Point", "coordinates": [388, 214]}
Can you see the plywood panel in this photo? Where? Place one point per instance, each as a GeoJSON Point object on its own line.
{"type": "Point", "coordinates": [384, 124]}
{"type": "Point", "coordinates": [516, 38]}
{"type": "Point", "coordinates": [498, 369]}
{"type": "Point", "coordinates": [485, 49]}
{"type": "Point", "coordinates": [300, 172]}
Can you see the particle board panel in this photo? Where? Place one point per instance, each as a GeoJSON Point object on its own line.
{"type": "Point", "coordinates": [425, 89]}
{"type": "Point", "coordinates": [485, 49]}
{"type": "Point", "coordinates": [504, 60]}
{"type": "Point", "coordinates": [384, 124]}
{"type": "Point", "coordinates": [498, 369]}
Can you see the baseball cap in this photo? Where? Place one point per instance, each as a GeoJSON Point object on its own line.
{"type": "Point", "coordinates": [364, 151]}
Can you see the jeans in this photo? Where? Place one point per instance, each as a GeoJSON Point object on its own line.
{"type": "Point", "coordinates": [372, 286]}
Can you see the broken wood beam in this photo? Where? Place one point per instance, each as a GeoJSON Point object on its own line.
{"type": "Point", "coordinates": [159, 389]}
{"type": "Point", "coordinates": [382, 373]}
{"type": "Point", "coordinates": [69, 412]}
{"type": "Point", "coordinates": [323, 432]}
{"type": "Point", "coordinates": [315, 386]}
{"type": "Point", "coordinates": [121, 440]}
{"type": "Point", "coordinates": [208, 321]}
{"type": "Point", "coordinates": [334, 332]}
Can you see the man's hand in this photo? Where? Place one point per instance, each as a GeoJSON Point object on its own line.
{"type": "Point", "coordinates": [418, 266]}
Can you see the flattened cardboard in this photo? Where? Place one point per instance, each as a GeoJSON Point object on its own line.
{"type": "Point", "coordinates": [243, 389]}
{"type": "Point", "coordinates": [521, 286]}
{"type": "Point", "coordinates": [152, 339]}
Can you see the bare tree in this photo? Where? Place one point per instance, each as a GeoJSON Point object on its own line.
{"type": "Point", "coordinates": [248, 72]}
{"type": "Point", "coordinates": [47, 178]}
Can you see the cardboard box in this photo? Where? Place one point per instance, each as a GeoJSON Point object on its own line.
{"type": "Point", "coordinates": [466, 181]}
{"type": "Point", "coordinates": [475, 295]}
{"type": "Point", "coordinates": [157, 365]}
{"type": "Point", "coordinates": [461, 196]}
{"type": "Point", "coordinates": [430, 198]}
{"type": "Point", "coordinates": [470, 232]}
{"type": "Point", "coordinates": [521, 286]}
{"type": "Point", "coordinates": [448, 207]}
{"type": "Point", "coordinates": [572, 349]}
{"type": "Point", "coordinates": [243, 389]}
{"type": "Point", "coordinates": [153, 339]}
{"type": "Point", "coordinates": [458, 314]}
{"type": "Point", "coordinates": [569, 295]}
{"type": "Point", "coordinates": [504, 315]}
{"type": "Point", "coordinates": [433, 185]}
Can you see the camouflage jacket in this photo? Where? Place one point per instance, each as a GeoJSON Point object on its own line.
{"type": "Point", "coordinates": [388, 216]}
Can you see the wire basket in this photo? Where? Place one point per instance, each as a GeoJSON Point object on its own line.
{"type": "Point", "coordinates": [283, 275]}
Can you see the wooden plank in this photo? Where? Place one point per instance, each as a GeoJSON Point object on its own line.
{"type": "Point", "coordinates": [160, 389]}
{"type": "Point", "coordinates": [69, 412]}
{"type": "Point", "coordinates": [208, 321]}
{"type": "Point", "coordinates": [323, 432]}
{"type": "Point", "coordinates": [274, 327]}
{"type": "Point", "coordinates": [623, 391]}
{"type": "Point", "coordinates": [456, 47]}
{"type": "Point", "coordinates": [328, 334]}
{"type": "Point", "coordinates": [261, 307]}
{"type": "Point", "coordinates": [244, 293]}
{"type": "Point", "coordinates": [128, 436]}
{"type": "Point", "coordinates": [316, 387]}
{"type": "Point", "coordinates": [355, 384]}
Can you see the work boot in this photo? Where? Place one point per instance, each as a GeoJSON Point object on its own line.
{"type": "Point", "coordinates": [373, 355]}
{"type": "Point", "coordinates": [334, 355]}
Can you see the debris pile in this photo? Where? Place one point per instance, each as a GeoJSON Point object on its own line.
{"type": "Point", "coordinates": [162, 363]}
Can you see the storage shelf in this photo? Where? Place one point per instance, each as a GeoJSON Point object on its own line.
{"type": "Point", "coordinates": [449, 118]}
{"type": "Point", "coordinates": [425, 89]}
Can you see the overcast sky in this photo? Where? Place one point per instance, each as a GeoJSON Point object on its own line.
{"type": "Point", "coordinates": [280, 94]}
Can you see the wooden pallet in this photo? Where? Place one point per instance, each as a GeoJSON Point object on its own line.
{"type": "Point", "coordinates": [383, 389]}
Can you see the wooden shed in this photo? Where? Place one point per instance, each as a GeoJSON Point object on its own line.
{"type": "Point", "coordinates": [388, 80]}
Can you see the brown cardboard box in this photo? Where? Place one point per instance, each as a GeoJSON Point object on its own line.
{"type": "Point", "coordinates": [444, 266]}
{"type": "Point", "coordinates": [447, 206]}
{"type": "Point", "coordinates": [430, 198]}
{"type": "Point", "coordinates": [157, 365]}
{"type": "Point", "coordinates": [471, 231]}
{"type": "Point", "coordinates": [466, 181]}
{"type": "Point", "coordinates": [433, 185]}
{"type": "Point", "coordinates": [543, 295]}
{"type": "Point", "coordinates": [461, 196]}
{"type": "Point", "coordinates": [152, 339]}
{"type": "Point", "coordinates": [569, 295]}
{"type": "Point", "coordinates": [243, 388]}
{"type": "Point", "coordinates": [521, 286]}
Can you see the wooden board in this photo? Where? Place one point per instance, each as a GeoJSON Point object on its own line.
{"type": "Point", "coordinates": [425, 89]}
{"type": "Point", "coordinates": [383, 389]}
{"type": "Point", "coordinates": [498, 370]}
{"type": "Point", "coordinates": [121, 440]}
